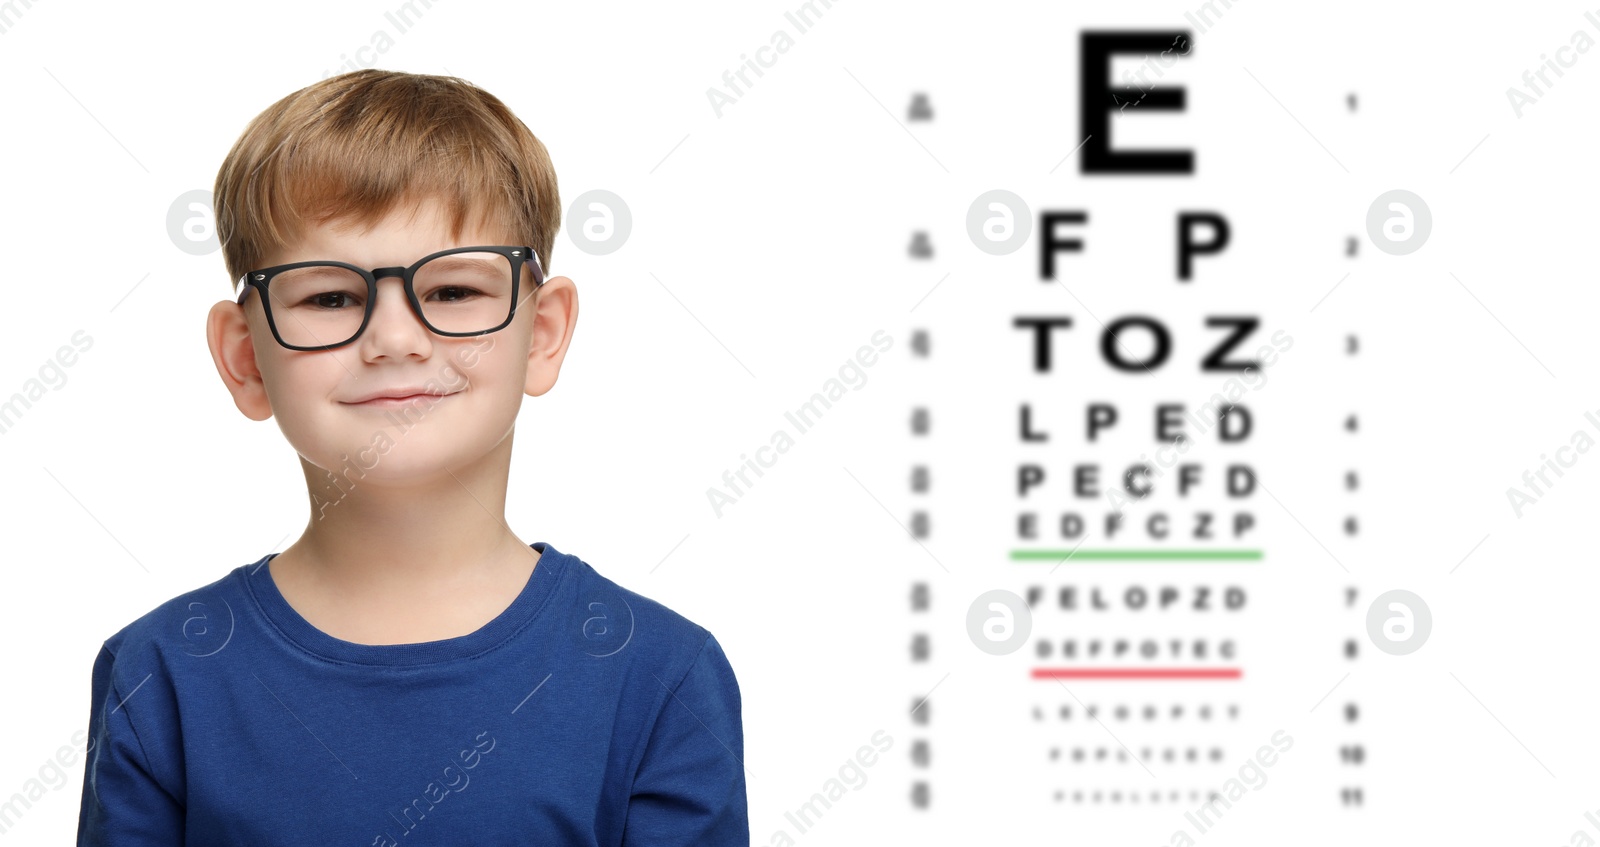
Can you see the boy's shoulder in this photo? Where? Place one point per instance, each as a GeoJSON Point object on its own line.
{"type": "Point", "coordinates": [143, 664]}
{"type": "Point", "coordinates": [197, 622]}
{"type": "Point", "coordinates": [604, 618]}
{"type": "Point", "coordinates": [596, 615]}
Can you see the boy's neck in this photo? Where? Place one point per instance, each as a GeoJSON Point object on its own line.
{"type": "Point", "coordinates": [374, 537]}
{"type": "Point", "coordinates": [398, 607]}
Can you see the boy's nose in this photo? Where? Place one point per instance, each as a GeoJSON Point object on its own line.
{"type": "Point", "coordinates": [395, 328]}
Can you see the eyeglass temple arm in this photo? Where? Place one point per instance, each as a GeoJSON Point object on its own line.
{"type": "Point", "coordinates": [538, 267]}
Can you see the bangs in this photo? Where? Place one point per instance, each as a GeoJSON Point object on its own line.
{"type": "Point", "coordinates": [354, 148]}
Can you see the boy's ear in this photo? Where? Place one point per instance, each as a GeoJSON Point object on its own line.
{"type": "Point", "coordinates": [554, 317]}
{"type": "Point", "coordinates": [228, 336]}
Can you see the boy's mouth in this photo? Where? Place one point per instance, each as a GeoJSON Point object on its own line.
{"type": "Point", "coordinates": [402, 397]}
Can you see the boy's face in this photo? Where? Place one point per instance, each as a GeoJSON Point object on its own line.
{"type": "Point", "coordinates": [478, 382]}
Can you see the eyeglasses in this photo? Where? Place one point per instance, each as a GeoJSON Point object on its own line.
{"type": "Point", "coordinates": [458, 292]}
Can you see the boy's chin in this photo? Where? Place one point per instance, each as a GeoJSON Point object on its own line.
{"type": "Point", "coordinates": [386, 460]}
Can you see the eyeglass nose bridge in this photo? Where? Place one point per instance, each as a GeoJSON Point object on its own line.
{"type": "Point", "coordinates": [379, 274]}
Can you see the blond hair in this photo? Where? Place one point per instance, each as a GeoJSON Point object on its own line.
{"type": "Point", "coordinates": [353, 147]}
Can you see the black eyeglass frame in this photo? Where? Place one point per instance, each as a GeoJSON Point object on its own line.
{"type": "Point", "coordinates": [516, 254]}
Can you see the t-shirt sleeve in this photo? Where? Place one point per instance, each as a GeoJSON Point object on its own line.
{"type": "Point", "coordinates": [123, 802]}
{"type": "Point", "coordinates": [690, 787]}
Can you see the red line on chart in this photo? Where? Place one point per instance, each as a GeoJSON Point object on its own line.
{"type": "Point", "coordinates": [1136, 673]}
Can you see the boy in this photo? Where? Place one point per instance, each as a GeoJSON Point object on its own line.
{"type": "Point", "coordinates": [408, 671]}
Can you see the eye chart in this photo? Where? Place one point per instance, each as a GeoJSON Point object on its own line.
{"type": "Point", "coordinates": [1155, 466]}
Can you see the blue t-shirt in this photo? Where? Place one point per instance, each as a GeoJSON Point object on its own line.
{"type": "Point", "coordinates": [584, 714]}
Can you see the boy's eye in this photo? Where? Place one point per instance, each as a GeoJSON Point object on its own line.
{"type": "Point", "coordinates": [452, 294]}
{"type": "Point", "coordinates": [465, 282]}
{"type": "Point", "coordinates": [320, 288]}
{"type": "Point", "coordinates": [330, 300]}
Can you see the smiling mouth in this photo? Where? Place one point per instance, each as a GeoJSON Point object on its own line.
{"type": "Point", "coordinates": [409, 400]}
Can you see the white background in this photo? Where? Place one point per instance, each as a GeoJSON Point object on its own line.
{"type": "Point", "coordinates": [768, 244]}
